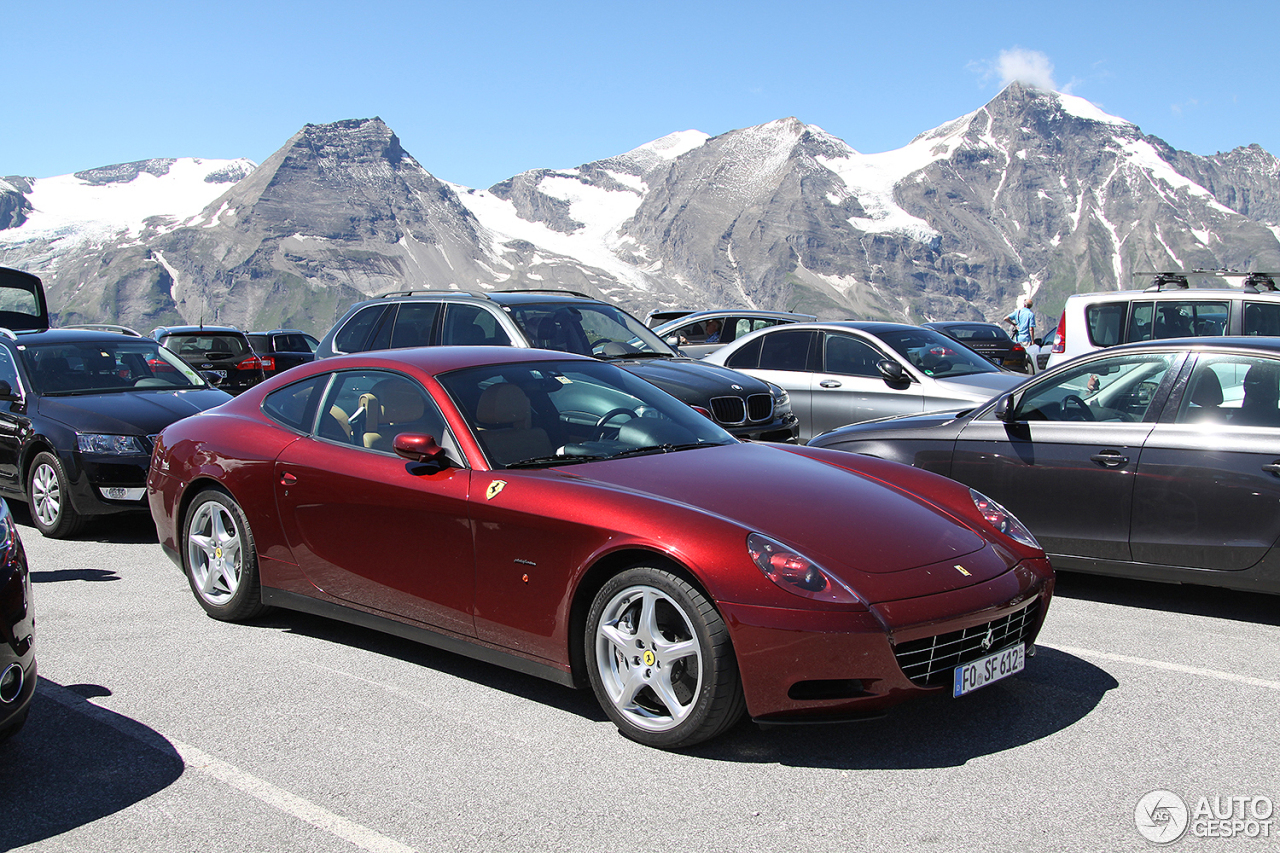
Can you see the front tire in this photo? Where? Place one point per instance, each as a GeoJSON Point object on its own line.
{"type": "Point", "coordinates": [220, 559]}
{"type": "Point", "coordinates": [49, 497]}
{"type": "Point", "coordinates": [660, 660]}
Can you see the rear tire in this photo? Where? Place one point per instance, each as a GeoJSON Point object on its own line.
{"type": "Point", "coordinates": [660, 660]}
{"type": "Point", "coordinates": [220, 559]}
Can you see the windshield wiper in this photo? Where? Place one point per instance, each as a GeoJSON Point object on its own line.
{"type": "Point", "coordinates": [630, 355]}
{"type": "Point", "coordinates": [663, 448]}
{"type": "Point", "coordinates": [552, 460]}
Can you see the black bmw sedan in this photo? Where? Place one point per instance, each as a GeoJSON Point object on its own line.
{"type": "Point", "coordinates": [78, 411]}
{"type": "Point", "coordinates": [1158, 460]}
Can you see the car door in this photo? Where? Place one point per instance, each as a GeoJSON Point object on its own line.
{"type": "Point", "coordinates": [788, 359]}
{"type": "Point", "coordinates": [1064, 459]}
{"type": "Point", "coordinates": [850, 389]}
{"type": "Point", "coordinates": [1208, 481]}
{"type": "Point", "coordinates": [369, 527]}
{"type": "Point", "coordinates": [15, 424]}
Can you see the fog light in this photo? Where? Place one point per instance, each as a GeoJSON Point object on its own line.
{"type": "Point", "coordinates": [120, 493]}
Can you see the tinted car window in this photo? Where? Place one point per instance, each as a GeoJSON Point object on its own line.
{"type": "Point", "coordinates": [292, 343]}
{"type": "Point", "coordinates": [748, 356]}
{"type": "Point", "coordinates": [786, 351]}
{"type": "Point", "coordinates": [414, 322]}
{"type": "Point", "coordinates": [199, 346]}
{"type": "Point", "coordinates": [1262, 318]}
{"type": "Point", "coordinates": [9, 371]}
{"type": "Point", "coordinates": [1119, 389]}
{"type": "Point", "coordinates": [1241, 390]}
{"type": "Point", "coordinates": [847, 355]}
{"type": "Point", "coordinates": [294, 405]}
{"type": "Point", "coordinates": [935, 354]}
{"type": "Point", "coordinates": [352, 336]}
{"type": "Point", "coordinates": [471, 325]}
{"type": "Point", "coordinates": [1104, 321]}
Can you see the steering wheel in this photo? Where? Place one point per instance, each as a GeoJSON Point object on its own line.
{"type": "Point", "coordinates": [1072, 400]}
{"type": "Point", "coordinates": [608, 416]}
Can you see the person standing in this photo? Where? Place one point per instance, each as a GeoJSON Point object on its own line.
{"type": "Point", "coordinates": [1023, 320]}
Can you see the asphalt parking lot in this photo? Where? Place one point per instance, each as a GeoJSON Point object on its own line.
{"type": "Point", "coordinates": [157, 728]}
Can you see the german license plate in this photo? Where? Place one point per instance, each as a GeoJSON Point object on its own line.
{"type": "Point", "coordinates": [993, 667]}
{"type": "Point", "coordinates": [221, 374]}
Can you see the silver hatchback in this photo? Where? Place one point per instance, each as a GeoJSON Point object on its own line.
{"type": "Point", "coordinates": [842, 373]}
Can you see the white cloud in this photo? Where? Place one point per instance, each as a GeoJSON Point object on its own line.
{"type": "Point", "coordinates": [1025, 66]}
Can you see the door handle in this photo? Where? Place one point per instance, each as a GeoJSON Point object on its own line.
{"type": "Point", "coordinates": [830, 383]}
{"type": "Point", "coordinates": [287, 479]}
{"type": "Point", "coordinates": [1109, 459]}
{"type": "Point", "coordinates": [1273, 468]}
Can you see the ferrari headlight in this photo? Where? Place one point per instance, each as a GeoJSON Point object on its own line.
{"type": "Point", "coordinates": [92, 442]}
{"type": "Point", "coordinates": [1003, 520]}
{"type": "Point", "coordinates": [796, 573]}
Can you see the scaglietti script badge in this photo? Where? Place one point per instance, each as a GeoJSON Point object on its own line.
{"type": "Point", "coordinates": [494, 487]}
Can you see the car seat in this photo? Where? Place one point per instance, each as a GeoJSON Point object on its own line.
{"type": "Point", "coordinates": [1205, 400]}
{"type": "Point", "coordinates": [392, 407]}
{"type": "Point", "coordinates": [505, 420]}
{"type": "Point", "coordinates": [1261, 403]}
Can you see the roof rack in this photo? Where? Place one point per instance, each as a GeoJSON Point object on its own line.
{"type": "Point", "coordinates": [105, 327]}
{"type": "Point", "coordinates": [550, 290]}
{"type": "Point", "coordinates": [1254, 282]}
{"type": "Point", "coordinates": [431, 291]}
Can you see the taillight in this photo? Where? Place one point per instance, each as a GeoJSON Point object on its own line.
{"type": "Point", "coordinates": [1017, 348]}
{"type": "Point", "coordinates": [159, 365]}
{"type": "Point", "coordinates": [1060, 342]}
{"type": "Point", "coordinates": [253, 362]}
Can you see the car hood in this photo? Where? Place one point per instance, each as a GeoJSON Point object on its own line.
{"type": "Point", "coordinates": [852, 524]}
{"type": "Point", "coordinates": [693, 381]}
{"type": "Point", "coordinates": [130, 413]}
{"type": "Point", "coordinates": [980, 386]}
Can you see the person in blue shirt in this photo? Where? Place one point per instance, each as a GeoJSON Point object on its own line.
{"type": "Point", "coordinates": [1023, 321]}
{"type": "Point", "coordinates": [713, 332]}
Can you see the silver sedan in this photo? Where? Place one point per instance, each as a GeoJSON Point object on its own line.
{"type": "Point", "coordinates": [841, 373]}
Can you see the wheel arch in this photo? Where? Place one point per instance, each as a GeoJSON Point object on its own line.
{"type": "Point", "coordinates": [595, 577]}
{"type": "Point", "coordinates": [188, 496]}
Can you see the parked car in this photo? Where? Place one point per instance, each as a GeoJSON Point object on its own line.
{"type": "Point", "coordinates": [78, 411]}
{"type": "Point", "coordinates": [704, 332]}
{"type": "Point", "coordinates": [558, 515]}
{"type": "Point", "coordinates": [1045, 348]}
{"type": "Point", "coordinates": [843, 372]}
{"type": "Point", "coordinates": [17, 630]}
{"type": "Point", "coordinates": [22, 302]}
{"type": "Point", "coordinates": [987, 340]}
{"type": "Point", "coordinates": [1167, 309]}
{"type": "Point", "coordinates": [658, 316]}
{"type": "Point", "coordinates": [1157, 460]}
{"type": "Point", "coordinates": [564, 322]}
{"type": "Point", "coordinates": [222, 354]}
{"type": "Point", "coordinates": [281, 349]}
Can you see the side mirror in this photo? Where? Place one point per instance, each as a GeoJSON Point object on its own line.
{"type": "Point", "coordinates": [1004, 408]}
{"type": "Point", "coordinates": [673, 340]}
{"type": "Point", "coordinates": [418, 448]}
{"type": "Point", "coordinates": [6, 391]}
{"type": "Point", "coordinates": [892, 372]}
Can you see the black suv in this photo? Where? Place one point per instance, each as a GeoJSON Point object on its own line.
{"type": "Point", "coordinates": [78, 413]}
{"type": "Point", "coordinates": [221, 353]}
{"type": "Point", "coordinates": [565, 322]}
{"type": "Point", "coordinates": [281, 349]}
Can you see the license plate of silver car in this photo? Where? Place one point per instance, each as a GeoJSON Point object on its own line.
{"type": "Point", "coordinates": [984, 671]}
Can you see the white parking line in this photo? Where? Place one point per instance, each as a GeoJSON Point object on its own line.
{"type": "Point", "coordinates": [200, 761]}
{"type": "Point", "coordinates": [1172, 667]}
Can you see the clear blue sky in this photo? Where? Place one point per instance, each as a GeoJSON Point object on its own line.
{"type": "Point", "coordinates": [479, 91]}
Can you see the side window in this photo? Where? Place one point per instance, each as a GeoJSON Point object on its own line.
{"type": "Point", "coordinates": [1104, 321]}
{"type": "Point", "coordinates": [1262, 318]}
{"type": "Point", "coordinates": [413, 324]}
{"type": "Point", "coordinates": [369, 408]}
{"type": "Point", "coordinates": [471, 325]}
{"type": "Point", "coordinates": [847, 355]}
{"type": "Point", "coordinates": [1239, 390]}
{"type": "Point", "coordinates": [1116, 389]}
{"type": "Point", "coordinates": [786, 351]}
{"type": "Point", "coordinates": [747, 357]}
{"type": "Point", "coordinates": [1140, 322]}
{"type": "Point", "coordinates": [294, 405]}
{"type": "Point", "coordinates": [1191, 318]}
{"type": "Point", "coordinates": [352, 336]}
{"type": "Point", "coordinates": [9, 371]}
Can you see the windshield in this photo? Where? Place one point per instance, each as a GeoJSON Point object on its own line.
{"type": "Point", "coordinates": [588, 329]}
{"type": "Point", "coordinates": [935, 354]}
{"type": "Point", "coordinates": [212, 347]}
{"type": "Point", "coordinates": [563, 412]}
{"type": "Point", "coordinates": [99, 367]}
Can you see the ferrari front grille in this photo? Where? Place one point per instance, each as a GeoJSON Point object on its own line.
{"type": "Point", "coordinates": [929, 662]}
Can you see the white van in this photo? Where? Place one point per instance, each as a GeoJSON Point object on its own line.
{"type": "Point", "coordinates": [1092, 321]}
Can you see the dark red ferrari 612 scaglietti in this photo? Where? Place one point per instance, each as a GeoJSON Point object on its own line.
{"type": "Point", "coordinates": [558, 515]}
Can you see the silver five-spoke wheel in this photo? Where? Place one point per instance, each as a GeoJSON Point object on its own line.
{"type": "Point", "coordinates": [219, 556]}
{"type": "Point", "coordinates": [49, 496]}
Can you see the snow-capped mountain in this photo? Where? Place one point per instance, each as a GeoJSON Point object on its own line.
{"type": "Point", "coordinates": [1035, 190]}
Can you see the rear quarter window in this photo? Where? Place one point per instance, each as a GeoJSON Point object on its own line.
{"type": "Point", "coordinates": [1104, 320]}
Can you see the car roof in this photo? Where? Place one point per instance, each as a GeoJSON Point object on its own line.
{"type": "Point", "coordinates": [197, 330]}
{"type": "Point", "coordinates": [952, 324]}
{"type": "Point", "coordinates": [695, 316]}
{"type": "Point", "coordinates": [1268, 344]}
{"type": "Point", "coordinates": [62, 336]}
{"type": "Point", "coordinates": [872, 326]}
{"type": "Point", "coordinates": [438, 360]}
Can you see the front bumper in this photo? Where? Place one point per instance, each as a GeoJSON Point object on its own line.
{"type": "Point", "coordinates": [92, 475]}
{"type": "Point", "coordinates": [813, 665]}
{"type": "Point", "coordinates": [785, 428]}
